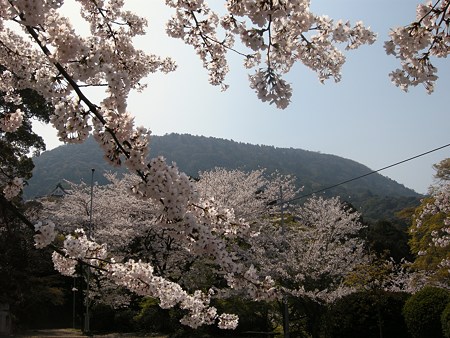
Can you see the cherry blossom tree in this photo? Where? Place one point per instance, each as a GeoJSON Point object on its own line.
{"type": "Point", "coordinates": [311, 257]}
{"type": "Point", "coordinates": [430, 234]}
{"type": "Point", "coordinates": [40, 50]}
{"type": "Point", "coordinates": [310, 252]}
{"type": "Point", "coordinates": [249, 194]}
{"type": "Point", "coordinates": [140, 230]}
{"type": "Point", "coordinates": [313, 254]}
{"type": "Point", "coordinates": [131, 227]}
{"type": "Point", "coordinates": [143, 223]}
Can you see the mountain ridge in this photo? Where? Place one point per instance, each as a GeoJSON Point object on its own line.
{"type": "Point", "coordinates": [314, 171]}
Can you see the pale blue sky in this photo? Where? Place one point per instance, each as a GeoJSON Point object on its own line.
{"type": "Point", "coordinates": [364, 117]}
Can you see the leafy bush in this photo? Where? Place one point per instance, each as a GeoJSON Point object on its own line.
{"type": "Point", "coordinates": [423, 312]}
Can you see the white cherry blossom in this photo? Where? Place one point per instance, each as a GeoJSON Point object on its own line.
{"type": "Point", "coordinates": [41, 50]}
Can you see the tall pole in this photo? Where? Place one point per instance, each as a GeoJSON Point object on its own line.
{"type": "Point", "coordinates": [285, 301]}
{"type": "Point", "coordinates": [88, 270]}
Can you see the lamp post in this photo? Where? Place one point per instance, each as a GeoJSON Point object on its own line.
{"type": "Point", "coordinates": [88, 270]}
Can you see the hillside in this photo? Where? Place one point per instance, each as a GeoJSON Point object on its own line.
{"type": "Point", "coordinates": [314, 171]}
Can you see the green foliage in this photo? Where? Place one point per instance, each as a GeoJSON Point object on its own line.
{"type": "Point", "coordinates": [389, 239]}
{"type": "Point", "coordinates": [445, 320]}
{"type": "Point", "coordinates": [376, 207]}
{"type": "Point", "coordinates": [367, 314]}
{"type": "Point", "coordinates": [16, 146]}
{"type": "Point", "coordinates": [369, 275]}
{"type": "Point", "coordinates": [422, 312]}
{"type": "Point", "coordinates": [430, 255]}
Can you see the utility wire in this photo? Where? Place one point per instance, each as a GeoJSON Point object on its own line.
{"type": "Point", "coordinates": [361, 176]}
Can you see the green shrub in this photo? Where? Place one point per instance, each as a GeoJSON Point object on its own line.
{"type": "Point", "coordinates": [423, 312]}
{"type": "Point", "coordinates": [445, 321]}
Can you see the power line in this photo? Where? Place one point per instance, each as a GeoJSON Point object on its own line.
{"type": "Point", "coordinates": [361, 176]}
{"type": "Point", "coordinates": [274, 203]}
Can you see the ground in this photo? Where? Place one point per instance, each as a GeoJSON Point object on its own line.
{"type": "Point", "coordinates": [67, 333]}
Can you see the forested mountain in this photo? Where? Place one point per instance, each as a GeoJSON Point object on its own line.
{"type": "Point", "coordinates": [373, 194]}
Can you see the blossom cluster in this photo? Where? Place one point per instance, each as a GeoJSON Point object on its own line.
{"type": "Point", "coordinates": [45, 233]}
{"type": "Point", "coordinates": [270, 87]}
{"type": "Point", "coordinates": [64, 62]}
{"type": "Point", "coordinates": [13, 188]}
{"type": "Point", "coordinates": [256, 287]}
{"type": "Point", "coordinates": [71, 121]}
{"type": "Point", "coordinates": [165, 183]}
{"type": "Point", "coordinates": [402, 278]}
{"type": "Point", "coordinates": [415, 44]}
{"type": "Point", "coordinates": [10, 122]}
{"type": "Point", "coordinates": [201, 34]}
{"type": "Point", "coordinates": [78, 246]}
{"type": "Point", "coordinates": [278, 35]}
{"type": "Point", "coordinates": [65, 266]}
{"type": "Point", "coordinates": [136, 276]}
{"type": "Point", "coordinates": [139, 277]}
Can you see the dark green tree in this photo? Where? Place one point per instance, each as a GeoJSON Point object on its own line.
{"type": "Point", "coordinates": [369, 314]}
{"type": "Point", "coordinates": [36, 293]}
{"type": "Point", "coordinates": [28, 281]}
{"type": "Point", "coordinates": [423, 312]}
{"type": "Point", "coordinates": [18, 147]}
{"type": "Point", "coordinates": [389, 239]}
